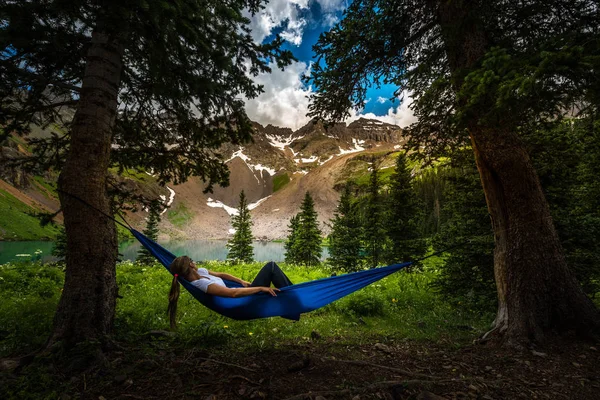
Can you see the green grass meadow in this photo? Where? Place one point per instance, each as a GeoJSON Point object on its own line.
{"type": "Point", "coordinates": [18, 223]}
{"type": "Point", "coordinates": [399, 306]}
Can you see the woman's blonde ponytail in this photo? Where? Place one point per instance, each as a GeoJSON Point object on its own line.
{"type": "Point", "coordinates": [179, 266]}
{"type": "Point", "coordinates": [173, 298]}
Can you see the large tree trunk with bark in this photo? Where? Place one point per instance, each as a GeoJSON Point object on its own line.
{"type": "Point", "coordinates": [537, 292]}
{"type": "Point", "coordinates": [87, 305]}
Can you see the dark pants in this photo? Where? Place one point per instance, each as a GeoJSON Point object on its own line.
{"type": "Point", "coordinates": [271, 273]}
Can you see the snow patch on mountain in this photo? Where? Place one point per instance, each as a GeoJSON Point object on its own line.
{"type": "Point", "coordinates": [217, 204]}
{"type": "Point", "coordinates": [171, 198]}
{"type": "Point", "coordinates": [356, 148]}
{"type": "Point", "coordinates": [256, 204]}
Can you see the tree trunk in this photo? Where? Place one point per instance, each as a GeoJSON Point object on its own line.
{"type": "Point", "coordinates": [87, 305]}
{"type": "Point", "coordinates": [537, 292]}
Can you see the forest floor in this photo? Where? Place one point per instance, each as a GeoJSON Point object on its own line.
{"type": "Point", "coordinates": [318, 369]}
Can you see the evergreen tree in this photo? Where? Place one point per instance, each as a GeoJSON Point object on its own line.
{"type": "Point", "coordinates": [344, 239]}
{"type": "Point", "coordinates": [240, 245]}
{"type": "Point", "coordinates": [308, 241]}
{"type": "Point", "coordinates": [291, 254]}
{"type": "Point", "coordinates": [477, 82]}
{"type": "Point", "coordinates": [148, 84]}
{"type": "Point", "coordinates": [404, 215]}
{"type": "Point", "coordinates": [374, 235]}
{"type": "Point", "coordinates": [151, 232]}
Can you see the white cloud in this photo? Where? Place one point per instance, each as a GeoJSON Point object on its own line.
{"type": "Point", "coordinates": [276, 13]}
{"type": "Point", "coordinates": [284, 101]}
{"type": "Point", "coordinates": [402, 115]}
{"type": "Point", "coordinates": [381, 100]}
{"type": "Point", "coordinates": [294, 31]}
{"type": "Point", "coordinates": [329, 20]}
{"type": "Point", "coordinates": [332, 5]}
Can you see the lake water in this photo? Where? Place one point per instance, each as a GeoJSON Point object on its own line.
{"type": "Point", "coordinates": [199, 250]}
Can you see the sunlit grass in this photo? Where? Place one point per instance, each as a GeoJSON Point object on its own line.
{"type": "Point", "coordinates": [399, 306]}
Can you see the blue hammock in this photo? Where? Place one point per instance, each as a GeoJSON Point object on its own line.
{"type": "Point", "coordinates": [289, 303]}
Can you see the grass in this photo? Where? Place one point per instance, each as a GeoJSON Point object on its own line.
{"type": "Point", "coordinates": [399, 306]}
{"type": "Point", "coordinates": [17, 223]}
{"type": "Point", "coordinates": [179, 215]}
{"type": "Point", "coordinates": [50, 187]}
{"type": "Point", "coordinates": [280, 181]}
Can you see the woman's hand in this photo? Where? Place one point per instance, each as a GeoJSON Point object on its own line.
{"type": "Point", "coordinates": [244, 283]}
{"type": "Point", "coordinates": [269, 290]}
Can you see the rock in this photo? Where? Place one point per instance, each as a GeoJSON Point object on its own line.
{"type": "Point", "coordinates": [429, 396]}
{"type": "Point", "coordinates": [119, 379]}
{"type": "Point", "coordinates": [593, 348]}
{"type": "Point", "coordinates": [576, 364]}
{"type": "Point", "coordinates": [383, 347]}
{"type": "Point", "coordinates": [488, 368]}
{"type": "Point", "coordinates": [539, 354]}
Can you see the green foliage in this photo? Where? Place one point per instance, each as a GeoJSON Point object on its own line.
{"type": "Point", "coordinates": [374, 235]}
{"type": "Point", "coordinates": [344, 239]}
{"type": "Point", "coordinates": [566, 157]}
{"type": "Point", "coordinates": [467, 274]}
{"type": "Point", "coordinates": [279, 181]}
{"type": "Point", "coordinates": [180, 215]}
{"type": "Point", "coordinates": [404, 217]}
{"type": "Point", "coordinates": [17, 221]}
{"type": "Point", "coordinates": [60, 245]}
{"type": "Point", "coordinates": [151, 232]}
{"type": "Point", "coordinates": [307, 243]}
{"type": "Point", "coordinates": [29, 294]}
{"type": "Point", "coordinates": [400, 305]}
{"type": "Point", "coordinates": [240, 245]}
{"type": "Point", "coordinates": [291, 255]}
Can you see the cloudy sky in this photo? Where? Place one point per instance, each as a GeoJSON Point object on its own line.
{"type": "Point", "coordinates": [284, 101]}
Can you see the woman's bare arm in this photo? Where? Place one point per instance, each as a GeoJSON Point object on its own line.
{"type": "Point", "coordinates": [229, 277]}
{"type": "Point", "coordinates": [218, 290]}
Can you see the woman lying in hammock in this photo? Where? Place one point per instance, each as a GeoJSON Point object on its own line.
{"type": "Point", "coordinates": [211, 282]}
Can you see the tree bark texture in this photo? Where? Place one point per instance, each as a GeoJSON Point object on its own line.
{"type": "Point", "coordinates": [537, 291]}
{"type": "Point", "coordinates": [87, 305]}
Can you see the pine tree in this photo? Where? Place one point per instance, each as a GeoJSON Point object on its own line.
{"type": "Point", "coordinates": [240, 245]}
{"type": "Point", "coordinates": [344, 239]}
{"type": "Point", "coordinates": [403, 215]}
{"type": "Point", "coordinates": [308, 241]}
{"type": "Point", "coordinates": [374, 235]}
{"type": "Point", "coordinates": [151, 232]}
{"type": "Point", "coordinates": [291, 255]}
{"type": "Point", "coordinates": [148, 84]}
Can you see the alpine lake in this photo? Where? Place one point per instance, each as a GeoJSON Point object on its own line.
{"type": "Point", "coordinates": [199, 250]}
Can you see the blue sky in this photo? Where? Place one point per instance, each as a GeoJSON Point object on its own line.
{"type": "Point", "coordinates": [300, 22]}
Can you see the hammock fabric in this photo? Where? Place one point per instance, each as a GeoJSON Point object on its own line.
{"type": "Point", "coordinates": [289, 303]}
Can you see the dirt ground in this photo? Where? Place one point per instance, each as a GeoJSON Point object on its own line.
{"type": "Point", "coordinates": [323, 370]}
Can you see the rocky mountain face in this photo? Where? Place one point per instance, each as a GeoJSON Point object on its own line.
{"type": "Point", "coordinates": [275, 171]}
